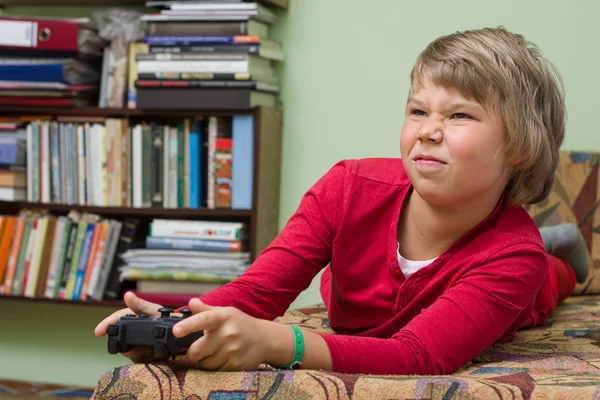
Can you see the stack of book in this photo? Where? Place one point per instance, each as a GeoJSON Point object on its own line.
{"type": "Point", "coordinates": [49, 61]}
{"type": "Point", "coordinates": [13, 156]}
{"type": "Point", "coordinates": [187, 257]}
{"type": "Point", "coordinates": [205, 55]}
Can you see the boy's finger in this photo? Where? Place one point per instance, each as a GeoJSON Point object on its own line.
{"type": "Point", "coordinates": [207, 320]}
{"type": "Point", "coordinates": [100, 330]}
{"type": "Point", "coordinates": [140, 306]}
{"type": "Point", "coordinates": [197, 306]}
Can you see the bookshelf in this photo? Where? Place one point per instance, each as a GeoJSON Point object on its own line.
{"type": "Point", "coordinates": [262, 218]}
{"type": "Point", "coordinates": [88, 303]}
{"type": "Point", "coordinates": [277, 3]}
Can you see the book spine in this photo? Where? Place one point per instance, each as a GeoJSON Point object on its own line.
{"type": "Point", "coordinates": [194, 168]}
{"type": "Point", "coordinates": [173, 167]}
{"type": "Point", "coordinates": [212, 140]}
{"type": "Point", "coordinates": [54, 257]}
{"type": "Point", "coordinates": [223, 28]}
{"type": "Point", "coordinates": [166, 165]}
{"type": "Point", "coordinates": [174, 40]}
{"type": "Point", "coordinates": [146, 166]}
{"type": "Point", "coordinates": [172, 243]}
{"type": "Point", "coordinates": [21, 283]}
{"type": "Point", "coordinates": [180, 167]}
{"type": "Point", "coordinates": [98, 256]}
{"type": "Point", "coordinates": [36, 161]}
{"type": "Point", "coordinates": [68, 260]}
{"type": "Point", "coordinates": [186, 76]}
{"type": "Point", "coordinates": [108, 259]}
{"type": "Point", "coordinates": [192, 66]}
{"type": "Point", "coordinates": [30, 283]}
{"type": "Point", "coordinates": [15, 287]}
{"type": "Point", "coordinates": [198, 230]}
{"type": "Point", "coordinates": [125, 242]}
{"type": "Point", "coordinates": [13, 153]}
{"type": "Point", "coordinates": [164, 57]}
{"type": "Point", "coordinates": [157, 177]}
{"type": "Point", "coordinates": [54, 162]}
{"type": "Point", "coordinates": [74, 268]}
{"type": "Point", "coordinates": [238, 48]}
{"type": "Point", "coordinates": [243, 162]}
{"type": "Point", "coordinates": [30, 162]}
{"type": "Point", "coordinates": [186, 163]}
{"type": "Point", "coordinates": [83, 261]}
{"type": "Point", "coordinates": [223, 170]}
{"type": "Point", "coordinates": [13, 256]}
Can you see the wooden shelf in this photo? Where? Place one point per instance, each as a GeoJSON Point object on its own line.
{"type": "Point", "coordinates": [277, 3]}
{"type": "Point", "coordinates": [114, 112]}
{"type": "Point", "coordinates": [88, 303]}
{"type": "Point", "coordinates": [54, 3]}
{"type": "Point", "coordinates": [138, 212]}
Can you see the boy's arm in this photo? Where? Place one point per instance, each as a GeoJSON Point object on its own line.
{"type": "Point", "coordinates": [288, 265]}
{"type": "Point", "coordinates": [459, 325]}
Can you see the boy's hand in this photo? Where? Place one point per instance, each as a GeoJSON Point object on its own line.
{"type": "Point", "coordinates": [232, 341]}
{"type": "Point", "coordinates": [135, 306]}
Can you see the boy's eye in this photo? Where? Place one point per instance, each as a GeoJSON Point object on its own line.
{"type": "Point", "coordinates": [461, 116]}
{"type": "Point", "coordinates": [416, 111]}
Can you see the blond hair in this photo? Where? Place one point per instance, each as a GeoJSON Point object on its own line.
{"type": "Point", "coordinates": [509, 76]}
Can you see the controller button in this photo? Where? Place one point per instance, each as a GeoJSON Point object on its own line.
{"type": "Point", "coordinates": [160, 350]}
{"type": "Point", "coordinates": [113, 347]}
{"type": "Point", "coordinates": [159, 333]}
{"type": "Point", "coordinates": [112, 330]}
{"type": "Point", "coordinates": [144, 316]}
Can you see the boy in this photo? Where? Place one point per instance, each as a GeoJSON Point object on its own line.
{"type": "Point", "coordinates": [430, 258]}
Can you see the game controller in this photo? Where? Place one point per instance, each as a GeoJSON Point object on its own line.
{"type": "Point", "coordinates": [136, 331]}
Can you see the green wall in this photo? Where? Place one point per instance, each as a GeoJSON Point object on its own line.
{"type": "Point", "coordinates": [344, 87]}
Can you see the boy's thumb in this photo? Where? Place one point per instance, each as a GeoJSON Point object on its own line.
{"type": "Point", "coordinates": [137, 305]}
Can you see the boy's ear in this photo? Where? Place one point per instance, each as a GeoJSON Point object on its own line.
{"type": "Point", "coordinates": [515, 159]}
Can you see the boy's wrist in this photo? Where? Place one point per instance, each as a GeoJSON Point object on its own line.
{"type": "Point", "coordinates": [279, 340]}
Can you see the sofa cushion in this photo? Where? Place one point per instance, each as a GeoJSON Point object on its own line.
{"type": "Point", "coordinates": [559, 361]}
{"type": "Point", "coordinates": [574, 198]}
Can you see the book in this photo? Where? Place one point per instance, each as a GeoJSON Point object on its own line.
{"type": "Point", "coordinates": [184, 243]}
{"type": "Point", "coordinates": [125, 242]}
{"type": "Point", "coordinates": [39, 35]}
{"type": "Point", "coordinates": [219, 28]}
{"type": "Point", "coordinates": [223, 172]}
{"type": "Point", "coordinates": [203, 98]}
{"type": "Point", "coordinates": [243, 156]}
{"type": "Point", "coordinates": [209, 230]}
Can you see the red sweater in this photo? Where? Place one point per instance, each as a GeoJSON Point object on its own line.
{"type": "Point", "coordinates": [479, 291]}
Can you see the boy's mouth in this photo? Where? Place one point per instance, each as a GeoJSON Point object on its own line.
{"type": "Point", "coordinates": [427, 159]}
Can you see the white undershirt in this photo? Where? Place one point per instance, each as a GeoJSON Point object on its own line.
{"type": "Point", "coordinates": [409, 267]}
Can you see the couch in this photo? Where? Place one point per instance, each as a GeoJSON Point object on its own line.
{"type": "Point", "coordinates": [560, 360]}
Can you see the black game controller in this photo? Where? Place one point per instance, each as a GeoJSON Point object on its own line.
{"type": "Point", "coordinates": [135, 331]}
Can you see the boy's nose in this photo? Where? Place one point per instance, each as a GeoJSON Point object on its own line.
{"type": "Point", "coordinates": [432, 130]}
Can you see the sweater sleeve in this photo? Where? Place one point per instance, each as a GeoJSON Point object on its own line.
{"type": "Point", "coordinates": [469, 317]}
{"type": "Point", "coordinates": [289, 264]}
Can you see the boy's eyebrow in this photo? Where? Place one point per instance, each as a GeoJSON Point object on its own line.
{"type": "Point", "coordinates": [453, 105]}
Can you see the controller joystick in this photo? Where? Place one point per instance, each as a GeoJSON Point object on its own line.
{"type": "Point", "coordinates": [165, 312]}
{"type": "Point", "coordinates": [186, 312]}
{"type": "Point", "coordinates": [137, 331]}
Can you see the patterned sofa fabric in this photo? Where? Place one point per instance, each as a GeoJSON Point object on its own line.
{"type": "Point", "coordinates": [574, 198]}
{"type": "Point", "coordinates": [559, 361]}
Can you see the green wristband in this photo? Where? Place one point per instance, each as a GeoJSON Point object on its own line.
{"type": "Point", "coordinates": [296, 362]}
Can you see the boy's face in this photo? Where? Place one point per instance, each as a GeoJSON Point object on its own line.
{"type": "Point", "coordinates": [452, 149]}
